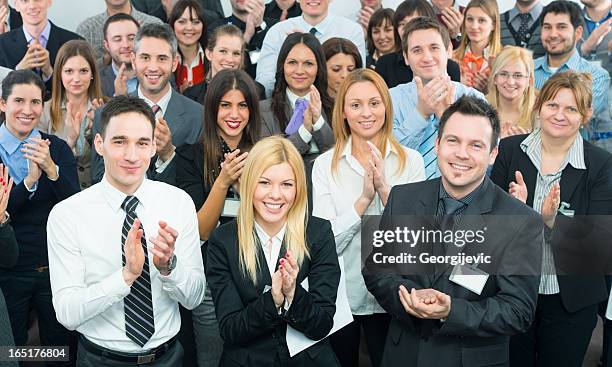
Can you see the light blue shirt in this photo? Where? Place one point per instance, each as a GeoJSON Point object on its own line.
{"type": "Point", "coordinates": [408, 125]}
{"type": "Point", "coordinates": [11, 154]}
{"type": "Point", "coordinates": [331, 26]}
{"type": "Point", "coordinates": [601, 78]}
{"type": "Point", "coordinates": [132, 83]}
{"type": "Point", "coordinates": [43, 38]}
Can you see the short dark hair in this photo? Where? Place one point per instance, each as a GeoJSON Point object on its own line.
{"type": "Point", "coordinates": [23, 76]}
{"type": "Point", "coordinates": [159, 31]}
{"type": "Point", "coordinates": [424, 23]}
{"type": "Point", "coordinates": [472, 106]}
{"type": "Point", "coordinates": [124, 104]}
{"type": "Point", "coordinates": [408, 7]}
{"type": "Point", "coordinates": [564, 7]}
{"type": "Point", "coordinates": [119, 17]}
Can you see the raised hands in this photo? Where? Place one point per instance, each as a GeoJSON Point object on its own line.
{"type": "Point", "coordinates": [231, 168]}
{"type": "Point", "coordinates": [550, 206]}
{"type": "Point", "coordinates": [39, 160]}
{"type": "Point", "coordinates": [3, 18]}
{"type": "Point", "coordinates": [36, 57]}
{"type": "Point", "coordinates": [452, 18]}
{"type": "Point", "coordinates": [425, 303]}
{"type": "Point", "coordinates": [313, 111]}
{"type": "Point", "coordinates": [509, 128]}
{"type": "Point", "coordinates": [377, 165]}
{"type": "Point", "coordinates": [255, 15]}
{"type": "Point", "coordinates": [121, 81]}
{"type": "Point", "coordinates": [435, 96]}
{"type": "Point", "coordinates": [365, 13]}
{"type": "Point", "coordinates": [518, 188]}
{"type": "Point", "coordinates": [163, 139]}
{"type": "Point", "coordinates": [289, 270]}
{"type": "Point", "coordinates": [134, 253]}
{"type": "Point", "coordinates": [163, 248]}
{"type": "Point", "coordinates": [5, 191]}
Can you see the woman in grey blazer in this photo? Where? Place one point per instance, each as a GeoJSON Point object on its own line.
{"type": "Point", "coordinates": [301, 74]}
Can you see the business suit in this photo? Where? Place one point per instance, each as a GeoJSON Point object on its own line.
{"type": "Point", "coordinates": [393, 69]}
{"type": "Point", "coordinates": [476, 331]}
{"type": "Point", "coordinates": [14, 20]}
{"type": "Point", "coordinates": [324, 137]}
{"type": "Point", "coordinates": [588, 192]}
{"type": "Point", "coordinates": [185, 120]}
{"type": "Point", "coordinates": [22, 285]}
{"type": "Point", "coordinates": [13, 46]}
{"type": "Point", "coordinates": [250, 325]}
{"type": "Point", "coordinates": [107, 81]}
{"type": "Point", "coordinates": [10, 252]}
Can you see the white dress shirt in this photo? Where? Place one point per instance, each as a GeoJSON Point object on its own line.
{"type": "Point", "coordinates": [85, 265]}
{"type": "Point", "coordinates": [271, 245]}
{"type": "Point", "coordinates": [331, 26]}
{"type": "Point", "coordinates": [334, 197]}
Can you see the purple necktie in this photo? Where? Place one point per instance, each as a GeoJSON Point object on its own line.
{"type": "Point", "coordinates": [298, 116]}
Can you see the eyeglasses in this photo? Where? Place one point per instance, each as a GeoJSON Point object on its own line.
{"type": "Point", "coordinates": [504, 75]}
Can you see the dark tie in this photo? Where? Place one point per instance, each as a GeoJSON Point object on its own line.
{"type": "Point", "coordinates": [523, 28]}
{"type": "Point", "coordinates": [313, 31]}
{"type": "Point", "coordinates": [138, 305]}
{"type": "Point", "coordinates": [155, 109]}
{"type": "Point", "coordinates": [451, 207]}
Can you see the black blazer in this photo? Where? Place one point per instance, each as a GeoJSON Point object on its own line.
{"type": "Point", "coordinates": [13, 46]}
{"type": "Point", "coordinates": [252, 330]}
{"type": "Point", "coordinates": [15, 20]}
{"type": "Point", "coordinates": [394, 70]}
{"type": "Point", "coordinates": [29, 212]}
{"type": "Point", "coordinates": [589, 192]}
{"type": "Point", "coordinates": [477, 330]}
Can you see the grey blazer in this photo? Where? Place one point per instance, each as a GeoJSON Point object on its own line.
{"type": "Point", "coordinates": [324, 137]}
{"type": "Point", "coordinates": [107, 79]}
{"type": "Point", "coordinates": [185, 119]}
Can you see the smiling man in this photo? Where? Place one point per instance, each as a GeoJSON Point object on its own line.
{"type": "Point", "coordinates": [117, 277]}
{"type": "Point", "coordinates": [562, 28]}
{"type": "Point", "coordinates": [315, 20]}
{"type": "Point", "coordinates": [438, 319]}
{"type": "Point", "coordinates": [179, 119]}
{"type": "Point", "coordinates": [418, 105]}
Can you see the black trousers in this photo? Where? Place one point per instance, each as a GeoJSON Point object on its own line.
{"type": "Point", "coordinates": [172, 358]}
{"type": "Point", "coordinates": [345, 341]}
{"type": "Point", "coordinates": [24, 290]}
{"type": "Point", "coordinates": [556, 337]}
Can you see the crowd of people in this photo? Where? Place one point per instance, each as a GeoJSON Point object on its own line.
{"type": "Point", "coordinates": [245, 156]}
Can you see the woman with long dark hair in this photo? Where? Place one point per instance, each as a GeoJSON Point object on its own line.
{"type": "Point", "coordinates": [300, 105]}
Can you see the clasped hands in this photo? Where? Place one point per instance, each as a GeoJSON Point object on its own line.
{"type": "Point", "coordinates": [284, 279]}
{"type": "Point", "coordinates": [36, 151]}
{"type": "Point", "coordinates": [435, 96]}
{"type": "Point", "coordinates": [162, 250]}
{"type": "Point", "coordinates": [425, 303]}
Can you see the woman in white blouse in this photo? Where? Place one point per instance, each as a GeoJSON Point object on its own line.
{"type": "Point", "coordinates": [352, 180]}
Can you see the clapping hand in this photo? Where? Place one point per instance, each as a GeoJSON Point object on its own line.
{"type": "Point", "coordinates": [289, 270]}
{"type": "Point", "coordinates": [425, 303]}
{"type": "Point", "coordinates": [5, 191]}
{"type": "Point", "coordinates": [518, 188]}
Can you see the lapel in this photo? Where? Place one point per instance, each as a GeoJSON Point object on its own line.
{"type": "Point", "coordinates": [426, 210]}
{"type": "Point", "coordinates": [264, 272]}
{"type": "Point", "coordinates": [20, 45]}
{"type": "Point", "coordinates": [530, 175]}
{"type": "Point", "coordinates": [174, 112]}
{"type": "Point", "coordinates": [570, 177]}
{"type": "Point", "coordinates": [471, 219]}
{"type": "Point", "coordinates": [54, 43]}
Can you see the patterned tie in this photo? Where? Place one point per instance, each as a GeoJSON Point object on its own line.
{"type": "Point", "coordinates": [428, 153]}
{"type": "Point", "coordinates": [523, 28]}
{"type": "Point", "coordinates": [313, 31]}
{"type": "Point", "coordinates": [155, 109]}
{"type": "Point", "coordinates": [138, 304]}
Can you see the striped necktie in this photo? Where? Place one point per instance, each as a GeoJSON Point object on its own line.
{"type": "Point", "coordinates": [138, 304]}
{"type": "Point", "coordinates": [428, 153]}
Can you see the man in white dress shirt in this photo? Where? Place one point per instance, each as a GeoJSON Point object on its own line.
{"type": "Point", "coordinates": [315, 19]}
{"type": "Point", "coordinates": [118, 286]}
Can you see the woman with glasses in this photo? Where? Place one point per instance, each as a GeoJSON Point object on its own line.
{"type": "Point", "coordinates": [511, 90]}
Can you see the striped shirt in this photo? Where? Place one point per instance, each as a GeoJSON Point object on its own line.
{"type": "Point", "coordinates": [532, 146]}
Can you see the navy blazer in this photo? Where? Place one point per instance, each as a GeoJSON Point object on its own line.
{"type": "Point", "coordinates": [250, 326]}
{"type": "Point", "coordinates": [589, 192]}
{"type": "Point", "coordinates": [30, 211]}
{"type": "Point", "coordinates": [13, 46]}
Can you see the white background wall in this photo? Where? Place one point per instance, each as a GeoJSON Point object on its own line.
{"type": "Point", "coordinates": [69, 13]}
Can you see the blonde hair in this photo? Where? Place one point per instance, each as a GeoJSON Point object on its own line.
{"type": "Point", "coordinates": [266, 153]}
{"type": "Point", "coordinates": [508, 55]}
{"type": "Point", "coordinates": [490, 8]}
{"type": "Point", "coordinates": [580, 84]}
{"type": "Point", "coordinates": [341, 128]}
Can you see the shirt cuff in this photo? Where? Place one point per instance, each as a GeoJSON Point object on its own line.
{"type": "Point", "coordinates": [31, 189]}
{"type": "Point", "coordinates": [160, 165]}
{"type": "Point", "coordinates": [305, 134]}
{"type": "Point", "coordinates": [319, 124]}
{"type": "Point", "coordinates": [56, 173]}
{"type": "Point", "coordinates": [115, 285]}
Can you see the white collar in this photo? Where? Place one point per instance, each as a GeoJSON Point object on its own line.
{"type": "Point", "coordinates": [163, 102]}
{"type": "Point", "coordinates": [263, 236]}
{"type": "Point", "coordinates": [294, 97]}
{"type": "Point", "coordinates": [115, 198]}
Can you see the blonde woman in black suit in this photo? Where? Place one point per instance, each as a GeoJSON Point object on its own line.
{"type": "Point", "coordinates": [256, 266]}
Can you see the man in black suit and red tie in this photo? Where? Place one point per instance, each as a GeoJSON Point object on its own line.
{"type": "Point", "coordinates": [35, 44]}
{"type": "Point", "coordinates": [437, 318]}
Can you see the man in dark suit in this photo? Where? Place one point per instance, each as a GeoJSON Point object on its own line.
{"type": "Point", "coordinates": [179, 118]}
{"type": "Point", "coordinates": [439, 319]}
{"type": "Point", "coordinates": [35, 44]}
{"type": "Point", "coordinates": [119, 78]}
